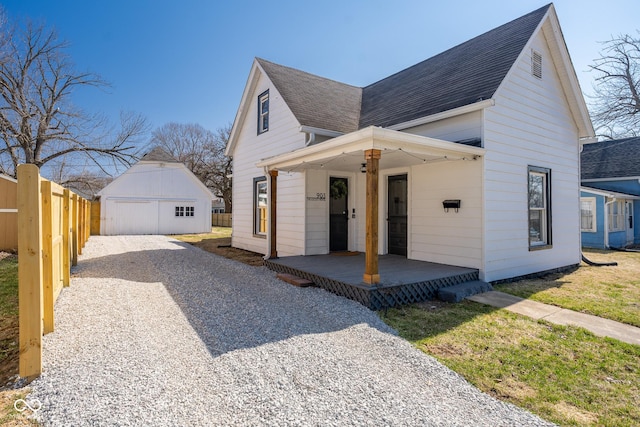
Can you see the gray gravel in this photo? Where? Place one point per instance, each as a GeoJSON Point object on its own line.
{"type": "Point", "coordinates": [156, 332]}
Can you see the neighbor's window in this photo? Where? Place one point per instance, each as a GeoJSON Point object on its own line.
{"type": "Point", "coordinates": [260, 206]}
{"type": "Point", "coordinates": [536, 64]}
{"type": "Point", "coordinates": [263, 112]}
{"type": "Point", "coordinates": [539, 207]}
{"type": "Point", "coordinates": [588, 214]}
{"type": "Point", "coordinates": [616, 216]}
{"type": "Point", "coordinates": [185, 210]}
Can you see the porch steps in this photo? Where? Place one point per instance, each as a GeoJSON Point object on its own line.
{"type": "Point", "coordinates": [294, 280]}
{"type": "Point", "coordinates": [457, 293]}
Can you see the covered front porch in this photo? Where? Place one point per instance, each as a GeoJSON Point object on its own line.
{"type": "Point", "coordinates": [402, 281]}
{"type": "Point", "coordinates": [369, 154]}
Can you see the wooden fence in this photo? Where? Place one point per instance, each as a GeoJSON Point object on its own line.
{"type": "Point", "coordinates": [221, 220]}
{"type": "Point", "coordinates": [53, 226]}
{"type": "Point", "coordinates": [8, 214]}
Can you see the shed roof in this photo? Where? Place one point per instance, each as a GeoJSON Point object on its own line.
{"type": "Point", "coordinates": [616, 158]}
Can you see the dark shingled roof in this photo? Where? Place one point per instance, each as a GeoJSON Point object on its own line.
{"type": "Point", "coordinates": [314, 100]}
{"type": "Point", "coordinates": [157, 154]}
{"type": "Point", "coordinates": [617, 158]}
{"type": "Point", "coordinates": [463, 75]}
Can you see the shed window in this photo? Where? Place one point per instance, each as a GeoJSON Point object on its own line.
{"type": "Point", "coordinates": [260, 206]}
{"type": "Point", "coordinates": [185, 211]}
{"type": "Point", "coordinates": [263, 112]}
{"type": "Point", "coordinates": [536, 64]}
{"type": "Point", "coordinates": [539, 207]}
{"type": "Point", "coordinates": [588, 214]}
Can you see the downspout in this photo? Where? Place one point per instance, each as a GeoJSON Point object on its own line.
{"type": "Point", "coordinates": [309, 138]}
{"type": "Point", "coordinates": [266, 174]}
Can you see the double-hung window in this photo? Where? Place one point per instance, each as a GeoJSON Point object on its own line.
{"type": "Point", "coordinates": [260, 206]}
{"type": "Point", "coordinates": [263, 112]}
{"type": "Point", "coordinates": [539, 207]}
{"type": "Point", "coordinates": [588, 214]}
{"type": "Point", "coordinates": [616, 216]}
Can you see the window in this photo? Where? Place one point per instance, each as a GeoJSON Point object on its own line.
{"type": "Point", "coordinates": [539, 207]}
{"type": "Point", "coordinates": [263, 112]}
{"type": "Point", "coordinates": [185, 211]}
{"type": "Point", "coordinates": [616, 216]}
{"type": "Point", "coordinates": [536, 64]}
{"type": "Point", "coordinates": [588, 214]}
{"type": "Point", "coordinates": [260, 206]}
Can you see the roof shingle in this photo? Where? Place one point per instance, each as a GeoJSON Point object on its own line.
{"type": "Point", "coordinates": [617, 158]}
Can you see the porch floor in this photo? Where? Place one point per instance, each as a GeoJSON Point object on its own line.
{"type": "Point", "coordinates": [402, 281]}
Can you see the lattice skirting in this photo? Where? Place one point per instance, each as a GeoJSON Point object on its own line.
{"type": "Point", "coordinates": [378, 297]}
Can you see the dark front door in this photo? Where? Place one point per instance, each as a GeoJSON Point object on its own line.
{"type": "Point", "coordinates": [338, 214]}
{"type": "Point", "coordinates": [397, 215]}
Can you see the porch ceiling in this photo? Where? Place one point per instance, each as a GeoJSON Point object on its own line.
{"type": "Point", "coordinates": [346, 153]}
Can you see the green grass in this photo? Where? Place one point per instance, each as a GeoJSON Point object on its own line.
{"type": "Point", "coordinates": [563, 374]}
{"type": "Point", "coordinates": [9, 286]}
{"type": "Point", "coordinates": [609, 292]}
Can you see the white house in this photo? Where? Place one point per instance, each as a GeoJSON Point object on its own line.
{"type": "Point", "coordinates": [469, 158]}
{"type": "Point", "coordinates": [157, 195]}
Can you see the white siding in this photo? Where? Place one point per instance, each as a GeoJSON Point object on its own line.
{"type": "Point", "coordinates": [458, 128]}
{"type": "Point", "coordinates": [283, 136]}
{"type": "Point", "coordinates": [530, 124]}
{"type": "Point", "coordinates": [317, 221]}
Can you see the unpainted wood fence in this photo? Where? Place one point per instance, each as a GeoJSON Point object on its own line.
{"type": "Point", "coordinates": [53, 226]}
{"type": "Point", "coordinates": [221, 220]}
{"type": "Point", "coordinates": [8, 214]}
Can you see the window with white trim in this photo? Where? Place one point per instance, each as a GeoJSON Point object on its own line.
{"type": "Point", "coordinates": [615, 211]}
{"type": "Point", "coordinates": [539, 207]}
{"type": "Point", "coordinates": [263, 112]}
{"type": "Point", "coordinates": [182, 211]}
{"type": "Point", "coordinates": [588, 214]}
{"type": "Point", "coordinates": [260, 206]}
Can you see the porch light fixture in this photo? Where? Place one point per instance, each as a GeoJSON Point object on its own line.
{"type": "Point", "coordinates": [363, 168]}
{"type": "Point", "coordinates": [451, 204]}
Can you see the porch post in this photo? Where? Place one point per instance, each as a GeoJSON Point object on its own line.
{"type": "Point", "coordinates": [371, 275]}
{"type": "Point", "coordinates": [273, 176]}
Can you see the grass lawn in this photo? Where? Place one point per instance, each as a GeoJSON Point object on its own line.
{"type": "Point", "coordinates": [219, 242]}
{"type": "Point", "coordinates": [564, 374]}
{"type": "Point", "coordinates": [609, 292]}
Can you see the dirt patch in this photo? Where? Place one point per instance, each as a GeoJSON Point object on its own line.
{"type": "Point", "coordinates": [4, 255]}
{"type": "Point", "coordinates": [9, 349]}
{"type": "Point", "coordinates": [222, 247]}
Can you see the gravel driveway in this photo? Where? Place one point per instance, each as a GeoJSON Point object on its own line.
{"type": "Point", "coordinates": [156, 332]}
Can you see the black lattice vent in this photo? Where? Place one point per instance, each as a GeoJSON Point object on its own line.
{"type": "Point", "coordinates": [379, 297]}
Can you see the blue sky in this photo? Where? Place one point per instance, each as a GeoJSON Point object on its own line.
{"type": "Point", "coordinates": [187, 61]}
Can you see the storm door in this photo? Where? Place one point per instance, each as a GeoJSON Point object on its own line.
{"type": "Point", "coordinates": [629, 215]}
{"type": "Point", "coordinates": [338, 214]}
{"type": "Point", "coordinates": [397, 215]}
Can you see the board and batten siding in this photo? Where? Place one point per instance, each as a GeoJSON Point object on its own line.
{"type": "Point", "coordinates": [529, 125]}
{"type": "Point", "coordinates": [283, 136]}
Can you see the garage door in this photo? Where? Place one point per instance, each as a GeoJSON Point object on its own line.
{"type": "Point", "coordinates": [132, 217]}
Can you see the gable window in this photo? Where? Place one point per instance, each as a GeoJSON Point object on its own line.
{"type": "Point", "coordinates": [616, 216]}
{"type": "Point", "coordinates": [263, 112]}
{"type": "Point", "coordinates": [260, 206]}
{"type": "Point", "coordinates": [588, 214]}
{"type": "Point", "coordinates": [536, 64]}
{"type": "Point", "coordinates": [539, 207]}
{"type": "Point", "coordinates": [185, 211]}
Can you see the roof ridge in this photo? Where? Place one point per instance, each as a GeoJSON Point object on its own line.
{"type": "Point", "coordinates": [459, 45]}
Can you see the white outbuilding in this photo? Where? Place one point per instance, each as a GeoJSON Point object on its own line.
{"type": "Point", "coordinates": [157, 195]}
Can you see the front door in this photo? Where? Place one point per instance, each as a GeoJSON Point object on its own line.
{"type": "Point", "coordinates": [397, 215]}
{"type": "Point", "coordinates": [338, 214]}
{"type": "Point", "coordinates": [629, 215]}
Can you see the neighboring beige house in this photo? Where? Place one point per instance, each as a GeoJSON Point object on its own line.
{"type": "Point", "coordinates": [469, 158]}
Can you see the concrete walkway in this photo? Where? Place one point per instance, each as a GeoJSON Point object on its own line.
{"type": "Point", "coordinates": [560, 316]}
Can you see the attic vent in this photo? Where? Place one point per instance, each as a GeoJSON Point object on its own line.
{"type": "Point", "coordinates": [536, 64]}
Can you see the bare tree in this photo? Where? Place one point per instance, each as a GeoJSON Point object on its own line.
{"type": "Point", "coordinates": [616, 105]}
{"type": "Point", "coordinates": [38, 122]}
{"type": "Point", "coordinates": [202, 152]}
